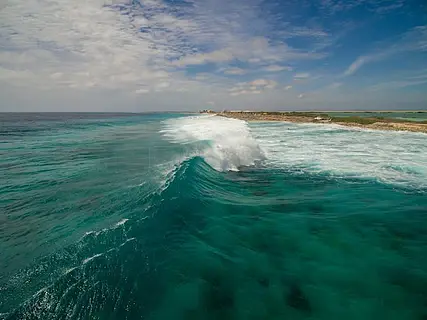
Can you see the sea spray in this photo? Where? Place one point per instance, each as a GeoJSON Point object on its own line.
{"type": "Point", "coordinates": [226, 144]}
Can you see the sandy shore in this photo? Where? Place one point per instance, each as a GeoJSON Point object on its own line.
{"type": "Point", "coordinates": [302, 117]}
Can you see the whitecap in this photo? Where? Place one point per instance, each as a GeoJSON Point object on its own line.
{"type": "Point", "coordinates": [121, 222]}
{"type": "Point", "coordinates": [228, 145]}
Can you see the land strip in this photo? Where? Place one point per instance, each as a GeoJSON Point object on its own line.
{"type": "Point", "coordinates": [378, 123]}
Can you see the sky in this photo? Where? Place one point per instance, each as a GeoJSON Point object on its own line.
{"type": "Point", "coordinates": [159, 55]}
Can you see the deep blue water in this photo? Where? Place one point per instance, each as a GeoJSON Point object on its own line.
{"type": "Point", "coordinates": [168, 216]}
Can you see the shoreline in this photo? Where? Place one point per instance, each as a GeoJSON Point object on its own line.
{"type": "Point", "coordinates": [375, 123]}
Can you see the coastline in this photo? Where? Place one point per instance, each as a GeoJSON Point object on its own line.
{"type": "Point", "coordinates": [312, 117]}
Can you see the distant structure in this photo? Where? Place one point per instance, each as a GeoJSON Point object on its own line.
{"type": "Point", "coordinates": [320, 119]}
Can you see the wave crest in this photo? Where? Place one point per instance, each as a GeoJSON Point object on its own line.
{"type": "Point", "coordinates": [225, 144]}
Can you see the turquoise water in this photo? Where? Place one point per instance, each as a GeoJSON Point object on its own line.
{"type": "Point", "coordinates": [164, 216]}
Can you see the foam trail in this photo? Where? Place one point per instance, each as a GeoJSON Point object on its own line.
{"type": "Point", "coordinates": [91, 258]}
{"type": "Point", "coordinates": [228, 142]}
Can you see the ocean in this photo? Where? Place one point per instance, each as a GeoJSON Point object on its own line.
{"type": "Point", "coordinates": [184, 216]}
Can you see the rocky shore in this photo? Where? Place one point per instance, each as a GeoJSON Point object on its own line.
{"type": "Point", "coordinates": [308, 117]}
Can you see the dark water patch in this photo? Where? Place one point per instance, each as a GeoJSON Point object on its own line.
{"type": "Point", "coordinates": [218, 294]}
{"type": "Point", "coordinates": [297, 299]}
{"type": "Point", "coordinates": [264, 281]}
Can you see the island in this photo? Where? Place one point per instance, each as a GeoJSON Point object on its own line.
{"type": "Point", "coordinates": [369, 122]}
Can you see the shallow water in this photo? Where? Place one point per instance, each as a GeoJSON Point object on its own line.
{"type": "Point", "coordinates": [202, 217]}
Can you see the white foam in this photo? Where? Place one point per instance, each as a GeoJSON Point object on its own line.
{"type": "Point", "coordinates": [127, 240]}
{"type": "Point", "coordinates": [121, 222]}
{"type": "Point", "coordinates": [88, 233]}
{"type": "Point", "coordinates": [70, 270]}
{"type": "Point", "coordinates": [398, 158]}
{"type": "Point", "coordinates": [228, 142]}
{"type": "Point", "coordinates": [91, 258]}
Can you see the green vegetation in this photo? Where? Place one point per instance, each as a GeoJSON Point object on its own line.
{"type": "Point", "coordinates": [359, 120]}
{"type": "Point", "coordinates": [371, 120]}
{"type": "Point", "coordinates": [307, 114]}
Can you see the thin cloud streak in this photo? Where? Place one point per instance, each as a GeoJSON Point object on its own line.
{"type": "Point", "coordinates": [415, 40]}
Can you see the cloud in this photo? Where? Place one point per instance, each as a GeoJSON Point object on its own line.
{"type": "Point", "coordinates": [253, 50]}
{"type": "Point", "coordinates": [234, 71]}
{"type": "Point", "coordinates": [238, 93]}
{"type": "Point", "coordinates": [138, 46]}
{"type": "Point", "coordinates": [259, 82]}
{"type": "Point", "coordinates": [303, 32]}
{"type": "Point", "coordinates": [202, 76]}
{"type": "Point", "coordinates": [162, 85]}
{"type": "Point", "coordinates": [396, 4]}
{"type": "Point", "coordinates": [142, 91]}
{"type": "Point", "coordinates": [276, 68]}
{"type": "Point", "coordinates": [301, 75]}
{"type": "Point", "coordinates": [378, 7]}
{"type": "Point", "coordinates": [263, 83]}
{"type": "Point", "coordinates": [125, 45]}
{"type": "Point", "coordinates": [223, 55]}
{"type": "Point", "coordinates": [85, 43]}
{"type": "Point", "coordinates": [254, 60]}
{"type": "Point", "coordinates": [252, 87]}
{"type": "Point", "coordinates": [335, 85]}
{"type": "Point", "coordinates": [242, 92]}
{"type": "Point", "coordinates": [356, 65]}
